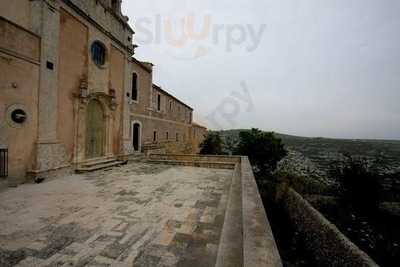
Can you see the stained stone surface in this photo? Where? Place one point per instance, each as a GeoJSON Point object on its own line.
{"type": "Point", "coordinates": [136, 215]}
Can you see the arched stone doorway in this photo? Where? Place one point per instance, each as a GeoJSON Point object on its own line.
{"type": "Point", "coordinates": [95, 130]}
{"type": "Point", "coordinates": [136, 136]}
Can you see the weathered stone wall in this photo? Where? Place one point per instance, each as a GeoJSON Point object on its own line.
{"type": "Point", "coordinates": [178, 133]}
{"type": "Point", "coordinates": [19, 12]}
{"type": "Point", "coordinates": [19, 81]}
{"type": "Point", "coordinates": [100, 81]}
{"type": "Point", "coordinates": [170, 108]}
{"type": "Point", "coordinates": [172, 123]}
{"type": "Point", "coordinates": [327, 244]}
{"type": "Point", "coordinates": [144, 87]}
{"type": "Point", "coordinates": [72, 67]}
{"type": "Point", "coordinates": [197, 135]}
{"type": "Point", "coordinates": [117, 66]}
{"type": "Point", "coordinates": [19, 41]}
{"type": "Point", "coordinates": [100, 13]}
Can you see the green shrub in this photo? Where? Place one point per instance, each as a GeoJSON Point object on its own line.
{"type": "Point", "coordinates": [263, 149]}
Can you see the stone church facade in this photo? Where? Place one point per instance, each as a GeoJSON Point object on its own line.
{"type": "Point", "coordinates": [71, 91]}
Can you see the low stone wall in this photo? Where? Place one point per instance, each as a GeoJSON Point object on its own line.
{"type": "Point", "coordinates": [197, 158]}
{"type": "Point", "coordinates": [259, 247]}
{"type": "Point", "coordinates": [230, 250]}
{"type": "Point", "coordinates": [322, 238]}
{"type": "Point", "coordinates": [217, 162]}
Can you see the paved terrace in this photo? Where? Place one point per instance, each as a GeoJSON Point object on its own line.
{"type": "Point", "coordinates": [139, 214]}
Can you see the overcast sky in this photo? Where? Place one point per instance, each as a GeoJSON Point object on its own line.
{"type": "Point", "coordinates": [306, 67]}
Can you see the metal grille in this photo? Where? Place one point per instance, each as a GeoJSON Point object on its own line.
{"type": "Point", "coordinates": [3, 162]}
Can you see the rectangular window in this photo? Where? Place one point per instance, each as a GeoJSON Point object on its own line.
{"type": "Point", "coordinates": [167, 135]}
{"type": "Point", "coordinates": [154, 136]}
{"type": "Point", "coordinates": [158, 102]}
{"type": "Point", "coordinates": [177, 137]}
{"type": "Point", "coordinates": [170, 105]}
{"type": "Point", "coordinates": [3, 162]}
{"type": "Point", "coordinates": [134, 87]}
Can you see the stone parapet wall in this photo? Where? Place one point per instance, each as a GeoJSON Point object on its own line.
{"type": "Point", "coordinates": [195, 157]}
{"type": "Point", "coordinates": [329, 246]}
{"type": "Point", "coordinates": [259, 247]}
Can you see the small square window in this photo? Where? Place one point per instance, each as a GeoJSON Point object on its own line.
{"type": "Point", "coordinates": [50, 65]}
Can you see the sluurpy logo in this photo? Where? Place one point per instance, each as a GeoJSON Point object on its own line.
{"type": "Point", "coordinates": [188, 38]}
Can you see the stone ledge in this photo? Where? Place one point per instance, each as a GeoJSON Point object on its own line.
{"type": "Point", "coordinates": [329, 246]}
{"type": "Point", "coordinates": [230, 250]}
{"type": "Point", "coordinates": [204, 164]}
{"type": "Point", "coordinates": [259, 247]}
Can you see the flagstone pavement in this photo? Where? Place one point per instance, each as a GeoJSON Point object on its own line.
{"type": "Point", "coordinates": [136, 215]}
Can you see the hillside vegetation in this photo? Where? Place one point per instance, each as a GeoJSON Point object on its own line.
{"type": "Point", "coordinates": [322, 152]}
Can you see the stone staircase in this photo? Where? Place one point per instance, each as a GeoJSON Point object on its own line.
{"type": "Point", "coordinates": [137, 157]}
{"type": "Point", "coordinates": [98, 164]}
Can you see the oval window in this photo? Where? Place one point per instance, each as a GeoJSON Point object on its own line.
{"type": "Point", "coordinates": [18, 116]}
{"type": "Point", "coordinates": [98, 53]}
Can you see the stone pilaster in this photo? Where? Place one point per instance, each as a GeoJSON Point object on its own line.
{"type": "Point", "coordinates": [50, 154]}
{"type": "Point", "coordinates": [127, 147]}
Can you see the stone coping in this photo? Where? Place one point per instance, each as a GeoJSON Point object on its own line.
{"type": "Point", "coordinates": [203, 164]}
{"type": "Point", "coordinates": [196, 157]}
{"type": "Point", "coordinates": [259, 247]}
{"type": "Point", "coordinates": [329, 246]}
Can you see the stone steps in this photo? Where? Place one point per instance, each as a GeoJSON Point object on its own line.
{"type": "Point", "coordinates": [98, 160]}
{"type": "Point", "coordinates": [98, 164]}
{"type": "Point", "coordinates": [138, 157]}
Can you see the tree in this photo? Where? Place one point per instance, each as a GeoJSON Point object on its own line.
{"type": "Point", "coordinates": [212, 144]}
{"type": "Point", "coordinates": [263, 149]}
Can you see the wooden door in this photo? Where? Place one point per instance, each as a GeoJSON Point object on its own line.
{"type": "Point", "coordinates": [95, 130]}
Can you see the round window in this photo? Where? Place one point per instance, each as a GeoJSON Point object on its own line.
{"type": "Point", "coordinates": [98, 53]}
{"type": "Point", "coordinates": [18, 116]}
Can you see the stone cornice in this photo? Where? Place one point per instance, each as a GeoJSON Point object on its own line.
{"type": "Point", "coordinates": [128, 48]}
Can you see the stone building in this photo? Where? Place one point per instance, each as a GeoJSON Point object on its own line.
{"type": "Point", "coordinates": [72, 96]}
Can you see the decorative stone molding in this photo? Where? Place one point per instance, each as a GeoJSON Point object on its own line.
{"type": "Point", "coordinates": [106, 99]}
